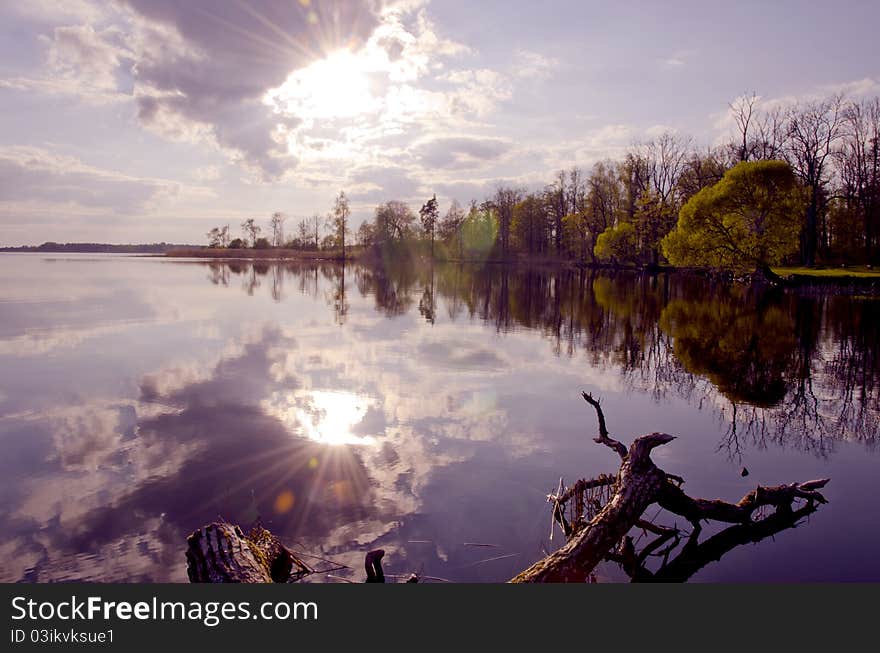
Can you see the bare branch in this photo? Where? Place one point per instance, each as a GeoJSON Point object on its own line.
{"type": "Point", "coordinates": [603, 437]}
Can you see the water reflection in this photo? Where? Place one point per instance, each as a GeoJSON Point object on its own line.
{"type": "Point", "coordinates": [778, 368]}
{"type": "Point", "coordinates": [329, 417]}
{"type": "Point", "coordinates": [412, 407]}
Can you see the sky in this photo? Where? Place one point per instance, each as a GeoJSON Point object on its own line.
{"type": "Point", "coordinates": [155, 120]}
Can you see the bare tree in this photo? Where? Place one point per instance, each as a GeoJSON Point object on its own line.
{"type": "Point", "coordinates": [504, 201]}
{"type": "Point", "coordinates": [341, 214]}
{"type": "Point", "coordinates": [556, 200]}
{"type": "Point", "coordinates": [394, 221]}
{"type": "Point", "coordinates": [771, 134]}
{"type": "Point", "coordinates": [665, 159]}
{"type": "Point", "coordinates": [858, 160]}
{"type": "Point", "coordinates": [743, 112]}
{"type": "Point", "coordinates": [303, 233]}
{"type": "Point", "coordinates": [316, 223]}
{"type": "Point", "coordinates": [251, 230]}
{"type": "Point", "coordinates": [813, 131]}
{"type": "Point", "coordinates": [277, 225]}
{"type": "Point", "coordinates": [213, 237]}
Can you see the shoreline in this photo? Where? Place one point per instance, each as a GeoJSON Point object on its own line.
{"type": "Point", "coordinates": [798, 279]}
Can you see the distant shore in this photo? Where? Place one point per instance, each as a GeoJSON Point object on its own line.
{"type": "Point", "coordinates": [249, 253]}
{"type": "Point", "coordinates": [97, 248]}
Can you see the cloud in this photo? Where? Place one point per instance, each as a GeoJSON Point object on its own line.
{"type": "Point", "coordinates": [31, 175]}
{"type": "Point", "coordinates": [534, 65]}
{"type": "Point", "coordinates": [278, 85]}
{"type": "Point", "coordinates": [677, 59]}
{"type": "Point", "coordinates": [198, 70]}
{"type": "Point", "coordinates": [382, 183]}
{"type": "Point", "coordinates": [95, 59]}
{"type": "Point", "coordinates": [203, 68]}
{"type": "Point", "coordinates": [52, 10]}
{"type": "Point", "coordinates": [460, 152]}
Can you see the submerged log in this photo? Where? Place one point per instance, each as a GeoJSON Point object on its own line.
{"type": "Point", "coordinates": [639, 484]}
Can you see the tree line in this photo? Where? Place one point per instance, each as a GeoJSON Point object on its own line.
{"type": "Point", "coordinates": [664, 200]}
{"type": "Point", "coordinates": [314, 233]}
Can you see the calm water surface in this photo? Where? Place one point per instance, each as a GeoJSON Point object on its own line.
{"type": "Point", "coordinates": [414, 409]}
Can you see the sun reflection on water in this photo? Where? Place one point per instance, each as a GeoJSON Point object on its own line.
{"type": "Point", "coordinates": [325, 416]}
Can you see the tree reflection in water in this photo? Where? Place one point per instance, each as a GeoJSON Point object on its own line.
{"type": "Point", "coordinates": [778, 368]}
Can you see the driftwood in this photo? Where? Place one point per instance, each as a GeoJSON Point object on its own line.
{"type": "Point", "coordinates": [638, 484]}
{"type": "Point", "coordinates": [222, 553]}
{"type": "Point", "coordinates": [603, 512]}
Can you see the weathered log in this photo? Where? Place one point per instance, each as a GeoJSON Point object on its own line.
{"type": "Point", "coordinates": [641, 483]}
{"type": "Point", "coordinates": [222, 553]}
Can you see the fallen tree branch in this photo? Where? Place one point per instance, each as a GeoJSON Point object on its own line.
{"type": "Point", "coordinates": [674, 500]}
{"type": "Point", "coordinates": [640, 483]}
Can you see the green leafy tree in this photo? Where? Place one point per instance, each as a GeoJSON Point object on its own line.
{"type": "Point", "coordinates": [617, 244]}
{"type": "Point", "coordinates": [480, 231]}
{"type": "Point", "coordinates": [751, 219]}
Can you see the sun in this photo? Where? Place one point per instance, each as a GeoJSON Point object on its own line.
{"type": "Point", "coordinates": [337, 86]}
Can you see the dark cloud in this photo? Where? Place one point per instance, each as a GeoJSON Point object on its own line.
{"type": "Point", "coordinates": [207, 64]}
{"type": "Point", "coordinates": [460, 152]}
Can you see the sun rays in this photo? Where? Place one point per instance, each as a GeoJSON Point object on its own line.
{"type": "Point", "coordinates": [337, 86]}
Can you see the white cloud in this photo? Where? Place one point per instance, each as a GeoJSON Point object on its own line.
{"type": "Point", "coordinates": [534, 65]}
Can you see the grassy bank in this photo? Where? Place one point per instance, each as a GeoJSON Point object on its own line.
{"type": "Point", "coordinates": [855, 272]}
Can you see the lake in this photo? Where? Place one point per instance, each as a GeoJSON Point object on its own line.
{"type": "Point", "coordinates": [421, 409]}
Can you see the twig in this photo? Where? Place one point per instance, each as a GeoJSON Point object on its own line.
{"type": "Point", "coordinates": [603, 437]}
{"type": "Point", "coordinates": [479, 562]}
